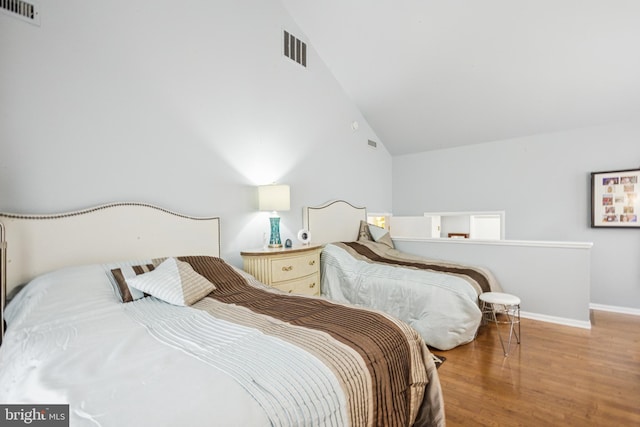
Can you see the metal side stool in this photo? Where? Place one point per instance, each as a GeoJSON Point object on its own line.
{"type": "Point", "coordinates": [501, 308]}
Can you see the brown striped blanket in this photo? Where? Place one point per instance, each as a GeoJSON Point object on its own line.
{"type": "Point", "coordinates": [479, 278]}
{"type": "Point", "coordinates": [383, 365]}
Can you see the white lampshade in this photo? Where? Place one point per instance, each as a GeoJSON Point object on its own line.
{"type": "Point", "coordinates": [273, 198]}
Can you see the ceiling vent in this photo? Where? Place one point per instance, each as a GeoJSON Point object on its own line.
{"type": "Point", "coordinates": [294, 49]}
{"type": "Point", "coordinates": [26, 11]}
{"type": "Point", "coordinates": [372, 144]}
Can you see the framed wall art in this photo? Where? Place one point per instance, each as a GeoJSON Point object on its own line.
{"type": "Point", "coordinates": [615, 199]}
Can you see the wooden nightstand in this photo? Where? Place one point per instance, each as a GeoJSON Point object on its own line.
{"type": "Point", "coordinates": [293, 270]}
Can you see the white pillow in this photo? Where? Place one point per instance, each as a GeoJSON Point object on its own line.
{"type": "Point", "coordinates": [380, 235]}
{"type": "Point", "coordinates": [173, 281]}
{"type": "Point", "coordinates": [376, 232]}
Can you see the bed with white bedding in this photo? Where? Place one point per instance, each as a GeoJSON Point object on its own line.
{"type": "Point", "coordinates": [439, 299]}
{"type": "Point", "coordinates": [196, 341]}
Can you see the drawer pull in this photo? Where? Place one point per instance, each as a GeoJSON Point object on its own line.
{"type": "Point", "coordinates": [312, 262]}
{"type": "Point", "coordinates": [313, 285]}
{"type": "Point", "coordinates": [287, 268]}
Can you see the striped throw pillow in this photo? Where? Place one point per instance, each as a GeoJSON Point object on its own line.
{"type": "Point", "coordinates": [126, 272]}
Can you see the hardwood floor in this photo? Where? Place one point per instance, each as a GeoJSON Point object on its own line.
{"type": "Point", "coordinates": [557, 376]}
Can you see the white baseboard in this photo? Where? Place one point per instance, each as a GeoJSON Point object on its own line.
{"type": "Point", "coordinates": [615, 309]}
{"type": "Point", "coordinates": [584, 324]}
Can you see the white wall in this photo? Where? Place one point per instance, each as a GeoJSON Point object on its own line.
{"type": "Point", "coordinates": [185, 105]}
{"type": "Point", "coordinates": [543, 184]}
{"type": "Point", "coordinates": [551, 278]}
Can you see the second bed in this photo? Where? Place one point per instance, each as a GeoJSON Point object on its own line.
{"type": "Point", "coordinates": [360, 265]}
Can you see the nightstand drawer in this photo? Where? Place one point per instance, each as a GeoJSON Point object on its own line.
{"type": "Point", "coordinates": [283, 269]}
{"type": "Point", "coordinates": [305, 286]}
{"type": "Point", "coordinates": [294, 270]}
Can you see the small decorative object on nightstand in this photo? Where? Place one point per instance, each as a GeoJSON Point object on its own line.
{"type": "Point", "coordinates": [304, 236]}
{"type": "Point", "coordinates": [294, 270]}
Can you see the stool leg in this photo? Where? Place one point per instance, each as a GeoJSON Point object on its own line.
{"type": "Point", "coordinates": [518, 311]}
{"type": "Point", "coordinates": [513, 316]}
{"type": "Point", "coordinates": [490, 312]}
{"type": "Point", "coordinates": [485, 311]}
{"type": "Point", "coordinates": [512, 313]}
{"type": "Point", "coordinates": [495, 319]}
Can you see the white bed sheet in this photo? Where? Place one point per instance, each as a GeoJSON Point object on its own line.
{"type": "Point", "coordinates": [441, 307]}
{"type": "Point", "coordinates": [71, 340]}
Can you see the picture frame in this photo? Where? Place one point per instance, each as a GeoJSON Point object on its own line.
{"type": "Point", "coordinates": [615, 199]}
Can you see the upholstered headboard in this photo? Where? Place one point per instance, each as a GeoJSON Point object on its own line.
{"type": "Point", "coordinates": [36, 244]}
{"type": "Point", "coordinates": [336, 221]}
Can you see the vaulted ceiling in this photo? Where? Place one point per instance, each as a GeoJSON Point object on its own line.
{"type": "Point", "coordinates": [430, 74]}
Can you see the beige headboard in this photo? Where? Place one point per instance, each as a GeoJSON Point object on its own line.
{"type": "Point", "coordinates": [336, 221]}
{"type": "Point", "coordinates": [36, 244]}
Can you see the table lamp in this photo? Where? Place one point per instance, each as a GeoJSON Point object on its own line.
{"type": "Point", "coordinates": [274, 198]}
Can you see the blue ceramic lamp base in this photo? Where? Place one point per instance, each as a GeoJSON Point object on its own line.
{"type": "Point", "coordinates": [274, 241]}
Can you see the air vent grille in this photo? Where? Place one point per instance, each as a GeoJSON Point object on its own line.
{"type": "Point", "coordinates": [26, 11]}
{"type": "Point", "coordinates": [372, 144]}
{"type": "Point", "coordinates": [295, 49]}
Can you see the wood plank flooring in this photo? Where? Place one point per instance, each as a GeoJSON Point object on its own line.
{"type": "Point", "coordinates": [557, 376]}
